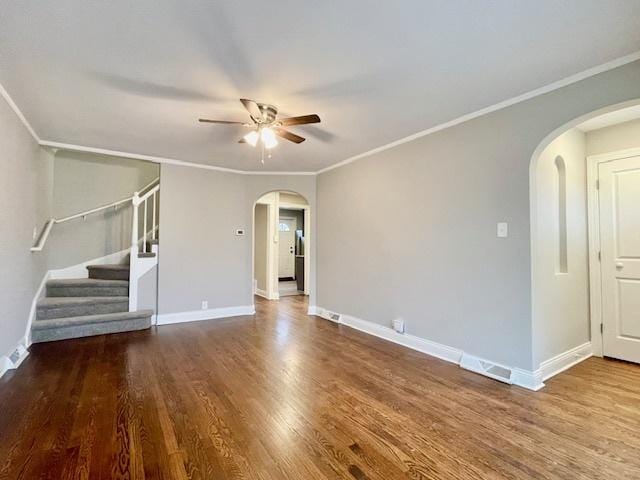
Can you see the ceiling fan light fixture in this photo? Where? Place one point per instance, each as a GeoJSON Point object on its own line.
{"type": "Point", "coordinates": [252, 138]}
{"type": "Point", "coordinates": [268, 137]}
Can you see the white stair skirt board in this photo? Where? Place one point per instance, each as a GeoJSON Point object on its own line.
{"type": "Point", "coordinates": [80, 270]}
{"type": "Point", "coordinates": [564, 361]}
{"type": "Point", "coordinates": [13, 360]}
{"type": "Point", "coordinates": [517, 376]}
{"type": "Point", "coordinates": [210, 314]}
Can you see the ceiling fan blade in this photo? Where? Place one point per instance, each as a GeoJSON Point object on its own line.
{"type": "Point", "coordinates": [292, 137]}
{"type": "Point", "coordinates": [302, 120]}
{"type": "Point", "coordinates": [224, 122]}
{"type": "Point", "coordinates": [252, 108]}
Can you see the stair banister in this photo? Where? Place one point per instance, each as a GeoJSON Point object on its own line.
{"type": "Point", "coordinates": [139, 266]}
{"type": "Point", "coordinates": [44, 234]}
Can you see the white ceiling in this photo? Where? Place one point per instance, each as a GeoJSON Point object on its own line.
{"type": "Point", "coordinates": [612, 118]}
{"type": "Point", "coordinates": [134, 76]}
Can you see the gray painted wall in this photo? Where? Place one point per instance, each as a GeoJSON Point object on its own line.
{"type": "Point", "coordinates": [616, 137]}
{"type": "Point", "coordinates": [83, 181]}
{"type": "Point", "coordinates": [201, 257]}
{"type": "Point", "coordinates": [25, 200]}
{"type": "Point", "coordinates": [560, 301]}
{"type": "Point", "coordinates": [260, 246]}
{"type": "Point", "coordinates": [429, 252]}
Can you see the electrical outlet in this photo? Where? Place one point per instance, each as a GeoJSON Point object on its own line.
{"type": "Point", "coordinates": [398, 325]}
{"type": "Point", "coordinates": [205, 305]}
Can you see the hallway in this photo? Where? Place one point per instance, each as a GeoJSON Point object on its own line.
{"type": "Point", "coordinates": [284, 395]}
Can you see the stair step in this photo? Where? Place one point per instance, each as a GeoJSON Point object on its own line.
{"type": "Point", "coordinates": [87, 287]}
{"type": "Point", "coordinates": [146, 254]}
{"type": "Point", "coordinates": [89, 325]}
{"type": "Point", "coordinates": [61, 307]}
{"type": "Point", "coordinates": [109, 272]}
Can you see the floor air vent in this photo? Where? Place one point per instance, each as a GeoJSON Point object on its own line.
{"type": "Point", "coordinates": [488, 369]}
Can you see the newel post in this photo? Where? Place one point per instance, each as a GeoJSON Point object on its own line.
{"type": "Point", "coordinates": [133, 255]}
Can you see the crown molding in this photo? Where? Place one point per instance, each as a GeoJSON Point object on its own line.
{"type": "Point", "coordinates": [464, 118]}
{"type": "Point", "coordinates": [618, 62]}
{"type": "Point", "coordinates": [151, 158]}
{"type": "Point", "coordinates": [18, 112]}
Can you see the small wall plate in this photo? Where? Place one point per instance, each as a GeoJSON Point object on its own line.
{"type": "Point", "coordinates": [240, 232]}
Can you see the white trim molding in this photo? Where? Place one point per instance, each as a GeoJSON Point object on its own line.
{"type": "Point", "coordinates": [15, 357]}
{"type": "Point", "coordinates": [434, 349]}
{"type": "Point", "coordinates": [618, 62]}
{"type": "Point", "coordinates": [520, 377]}
{"type": "Point", "coordinates": [593, 224]}
{"type": "Point", "coordinates": [40, 293]}
{"type": "Point", "coordinates": [4, 94]}
{"type": "Point", "coordinates": [155, 159]}
{"type": "Point", "coordinates": [210, 314]}
{"type": "Point", "coordinates": [564, 361]}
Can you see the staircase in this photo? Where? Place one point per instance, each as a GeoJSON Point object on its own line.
{"type": "Point", "coordinates": [106, 301]}
{"type": "Point", "coordinates": [82, 307]}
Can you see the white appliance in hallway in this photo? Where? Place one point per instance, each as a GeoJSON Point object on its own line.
{"type": "Point", "coordinates": [287, 249]}
{"type": "Point", "coordinates": [619, 200]}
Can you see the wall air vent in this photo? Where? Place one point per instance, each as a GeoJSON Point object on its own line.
{"type": "Point", "coordinates": [486, 368]}
{"type": "Point", "coordinates": [17, 354]}
{"type": "Point", "coordinates": [332, 316]}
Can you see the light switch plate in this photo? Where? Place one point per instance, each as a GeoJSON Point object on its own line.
{"type": "Point", "coordinates": [240, 232]}
{"type": "Point", "coordinates": [503, 230]}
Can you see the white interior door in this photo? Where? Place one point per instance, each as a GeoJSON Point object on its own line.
{"type": "Point", "coordinates": [287, 247]}
{"type": "Point", "coordinates": [620, 257]}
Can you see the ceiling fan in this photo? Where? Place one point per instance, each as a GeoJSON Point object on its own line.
{"type": "Point", "coordinates": [265, 125]}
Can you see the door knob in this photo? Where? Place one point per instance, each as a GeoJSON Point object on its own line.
{"type": "Point", "coordinates": [619, 265]}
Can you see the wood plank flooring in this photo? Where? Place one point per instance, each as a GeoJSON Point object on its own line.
{"type": "Point", "coordinates": [281, 395]}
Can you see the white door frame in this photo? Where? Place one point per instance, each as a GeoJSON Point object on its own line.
{"type": "Point", "coordinates": [272, 252]}
{"type": "Point", "coordinates": [294, 220]}
{"type": "Point", "coordinates": [307, 239]}
{"type": "Point", "coordinates": [595, 276]}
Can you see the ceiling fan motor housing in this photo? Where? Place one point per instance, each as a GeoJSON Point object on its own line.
{"type": "Point", "coordinates": [269, 113]}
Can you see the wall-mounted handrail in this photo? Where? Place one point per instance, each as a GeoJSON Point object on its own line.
{"type": "Point", "coordinates": [42, 238]}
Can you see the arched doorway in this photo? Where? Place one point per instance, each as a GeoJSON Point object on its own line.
{"type": "Point", "coordinates": [572, 303]}
{"type": "Point", "coordinates": [281, 245]}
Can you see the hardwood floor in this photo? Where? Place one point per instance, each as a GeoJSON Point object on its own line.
{"type": "Point", "coordinates": [285, 396]}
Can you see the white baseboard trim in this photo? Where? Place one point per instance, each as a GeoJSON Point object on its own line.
{"type": "Point", "coordinates": [434, 349]}
{"type": "Point", "coordinates": [527, 379]}
{"type": "Point", "coordinates": [522, 378]}
{"type": "Point", "coordinates": [261, 293]}
{"type": "Point", "coordinates": [210, 314]}
{"type": "Point", "coordinates": [15, 357]}
{"type": "Point", "coordinates": [564, 361]}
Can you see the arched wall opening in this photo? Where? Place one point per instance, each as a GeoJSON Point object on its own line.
{"type": "Point", "coordinates": [281, 245]}
{"type": "Point", "coordinates": [566, 316]}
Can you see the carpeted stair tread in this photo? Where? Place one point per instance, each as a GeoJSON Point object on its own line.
{"type": "Point", "coordinates": [90, 319]}
{"type": "Point", "coordinates": [146, 255]}
{"type": "Point", "coordinates": [109, 272]}
{"type": "Point", "coordinates": [59, 307]}
{"type": "Point", "coordinates": [86, 282]}
{"type": "Point", "coordinates": [56, 302]}
{"type": "Point", "coordinates": [118, 266]}
{"type": "Point", "coordinates": [87, 287]}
